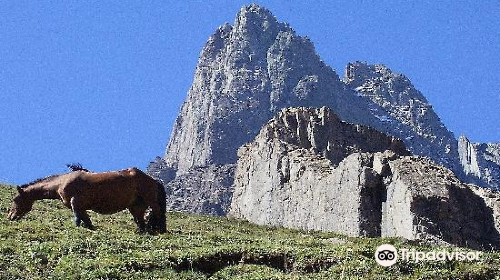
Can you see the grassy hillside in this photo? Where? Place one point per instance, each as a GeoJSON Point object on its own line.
{"type": "Point", "coordinates": [46, 245]}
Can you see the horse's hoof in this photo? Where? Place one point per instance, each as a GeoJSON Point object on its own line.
{"type": "Point", "coordinates": [89, 227]}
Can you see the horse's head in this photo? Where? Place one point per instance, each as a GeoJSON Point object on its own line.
{"type": "Point", "coordinates": [21, 205]}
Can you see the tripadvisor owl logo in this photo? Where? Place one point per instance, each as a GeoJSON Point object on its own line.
{"type": "Point", "coordinates": [386, 255]}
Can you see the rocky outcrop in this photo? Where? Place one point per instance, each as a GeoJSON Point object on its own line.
{"type": "Point", "coordinates": [481, 162]}
{"type": "Point", "coordinates": [426, 201]}
{"type": "Point", "coordinates": [308, 192]}
{"type": "Point", "coordinates": [286, 176]}
{"type": "Point", "coordinates": [307, 169]}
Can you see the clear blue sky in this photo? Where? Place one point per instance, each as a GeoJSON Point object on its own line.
{"type": "Point", "coordinates": [101, 82]}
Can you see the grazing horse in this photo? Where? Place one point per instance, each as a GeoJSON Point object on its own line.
{"type": "Point", "coordinates": [104, 193]}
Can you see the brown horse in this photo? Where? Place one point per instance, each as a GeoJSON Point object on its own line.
{"type": "Point", "coordinates": [104, 193]}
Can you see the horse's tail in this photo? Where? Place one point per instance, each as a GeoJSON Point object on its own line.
{"type": "Point", "coordinates": [162, 201]}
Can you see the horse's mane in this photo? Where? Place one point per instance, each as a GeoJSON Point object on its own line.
{"type": "Point", "coordinates": [76, 167]}
{"type": "Point", "coordinates": [39, 180]}
{"type": "Point", "coordinates": [73, 167]}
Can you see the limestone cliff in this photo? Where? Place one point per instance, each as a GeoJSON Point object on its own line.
{"type": "Point", "coordinates": [307, 166]}
{"type": "Point", "coordinates": [308, 169]}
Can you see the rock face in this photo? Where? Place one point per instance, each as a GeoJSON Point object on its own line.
{"type": "Point", "coordinates": [249, 71]}
{"type": "Point", "coordinates": [492, 200]}
{"type": "Point", "coordinates": [480, 161]}
{"type": "Point", "coordinates": [286, 175]}
{"type": "Point", "coordinates": [426, 201]}
{"type": "Point", "coordinates": [160, 170]}
{"type": "Point", "coordinates": [397, 97]}
{"type": "Point", "coordinates": [307, 191]}
{"type": "Point", "coordinates": [204, 190]}
{"type": "Point", "coordinates": [308, 169]}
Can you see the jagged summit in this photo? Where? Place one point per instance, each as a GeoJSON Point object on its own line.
{"type": "Point", "coordinates": [255, 18]}
{"type": "Point", "coordinates": [256, 10]}
{"type": "Point", "coordinates": [255, 29]}
{"type": "Point", "coordinates": [245, 74]}
{"type": "Point", "coordinates": [376, 78]}
{"type": "Point", "coordinates": [359, 71]}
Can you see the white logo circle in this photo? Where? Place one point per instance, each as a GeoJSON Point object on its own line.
{"type": "Point", "coordinates": [386, 255]}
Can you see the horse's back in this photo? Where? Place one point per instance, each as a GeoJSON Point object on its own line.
{"type": "Point", "coordinates": [110, 192]}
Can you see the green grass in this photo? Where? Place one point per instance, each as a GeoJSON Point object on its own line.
{"type": "Point", "coordinates": [47, 245]}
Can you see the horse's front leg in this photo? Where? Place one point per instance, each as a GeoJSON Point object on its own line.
{"type": "Point", "coordinates": [137, 210]}
{"type": "Point", "coordinates": [80, 214]}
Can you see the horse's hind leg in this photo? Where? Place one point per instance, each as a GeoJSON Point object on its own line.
{"type": "Point", "coordinates": [154, 219]}
{"type": "Point", "coordinates": [137, 210]}
{"type": "Point", "coordinates": [80, 215]}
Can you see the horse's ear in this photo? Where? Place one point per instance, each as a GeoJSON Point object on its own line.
{"type": "Point", "coordinates": [20, 190]}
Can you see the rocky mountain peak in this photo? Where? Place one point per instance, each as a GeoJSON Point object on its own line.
{"type": "Point", "coordinates": [245, 74]}
{"type": "Point", "coordinates": [251, 70]}
{"type": "Point", "coordinates": [254, 30]}
{"type": "Point", "coordinates": [254, 18]}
